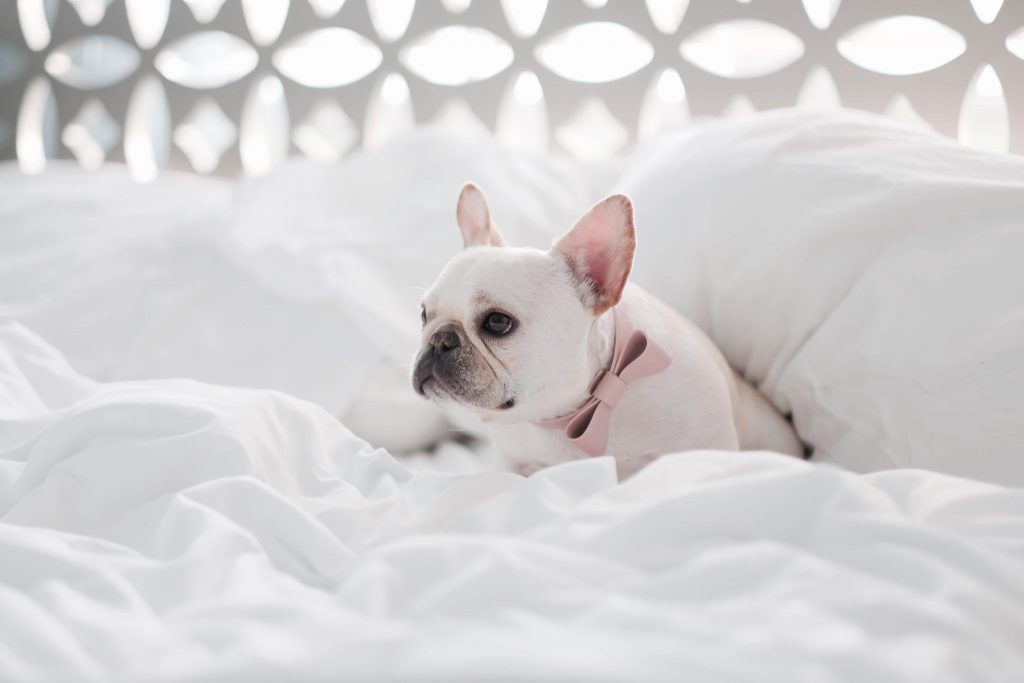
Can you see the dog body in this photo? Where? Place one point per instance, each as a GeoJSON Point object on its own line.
{"type": "Point", "coordinates": [517, 336]}
{"type": "Point", "coordinates": [698, 402]}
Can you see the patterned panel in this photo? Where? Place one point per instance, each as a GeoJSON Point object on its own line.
{"type": "Point", "coordinates": [223, 86]}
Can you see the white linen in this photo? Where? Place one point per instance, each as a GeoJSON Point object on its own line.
{"type": "Point", "coordinates": [176, 531]}
{"type": "Point", "coordinates": [306, 281]}
{"type": "Point", "coordinates": [131, 282]}
{"type": "Point", "coordinates": [868, 277]}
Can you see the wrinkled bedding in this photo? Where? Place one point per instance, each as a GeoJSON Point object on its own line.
{"type": "Point", "coordinates": [183, 496]}
{"type": "Point", "coordinates": [168, 530]}
{"type": "Point", "coordinates": [865, 277]}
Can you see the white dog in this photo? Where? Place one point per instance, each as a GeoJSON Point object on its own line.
{"type": "Point", "coordinates": [565, 359]}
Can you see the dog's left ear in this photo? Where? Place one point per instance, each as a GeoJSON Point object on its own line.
{"type": "Point", "coordinates": [599, 250]}
{"type": "Point", "coordinates": [474, 219]}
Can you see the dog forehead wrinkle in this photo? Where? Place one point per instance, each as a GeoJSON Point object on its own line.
{"type": "Point", "coordinates": [468, 278]}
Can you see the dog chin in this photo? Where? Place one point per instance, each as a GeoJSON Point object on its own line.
{"type": "Point", "coordinates": [437, 391]}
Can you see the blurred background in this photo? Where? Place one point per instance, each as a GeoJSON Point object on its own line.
{"type": "Point", "coordinates": [236, 86]}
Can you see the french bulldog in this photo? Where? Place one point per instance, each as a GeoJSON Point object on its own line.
{"type": "Point", "coordinates": [563, 358]}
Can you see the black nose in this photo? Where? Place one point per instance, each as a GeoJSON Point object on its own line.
{"type": "Point", "coordinates": [445, 340]}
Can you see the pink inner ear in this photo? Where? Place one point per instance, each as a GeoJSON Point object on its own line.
{"type": "Point", "coordinates": [604, 236]}
{"type": "Point", "coordinates": [474, 219]}
{"type": "Point", "coordinates": [604, 241]}
{"type": "Point", "coordinates": [599, 265]}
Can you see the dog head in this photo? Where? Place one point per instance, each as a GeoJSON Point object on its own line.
{"type": "Point", "coordinates": [507, 331]}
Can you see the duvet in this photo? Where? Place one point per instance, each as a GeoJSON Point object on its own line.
{"type": "Point", "coordinates": [168, 530]}
{"type": "Point", "coordinates": [184, 366]}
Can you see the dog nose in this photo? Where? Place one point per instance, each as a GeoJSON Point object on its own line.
{"type": "Point", "coordinates": [445, 340]}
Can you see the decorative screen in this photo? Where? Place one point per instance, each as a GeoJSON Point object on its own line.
{"type": "Point", "coordinates": [237, 85]}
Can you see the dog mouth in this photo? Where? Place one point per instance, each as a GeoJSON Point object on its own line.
{"type": "Point", "coordinates": [433, 388]}
{"type": "Point", "coordinates": [436, 388]}
{"type": "Point", "coordinates": [436, 383]}
{"type": "Point", "coordinates": [430, 386]}
{"type": "Point", "coordinates": [423, 378]}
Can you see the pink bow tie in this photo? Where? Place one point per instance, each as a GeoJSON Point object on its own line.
{"type": "Point", "coordinates": [635, 356]}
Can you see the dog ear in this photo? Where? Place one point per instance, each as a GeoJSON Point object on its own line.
{"type": "Point", "coordinates": [599, 250]}
{"type": "Point", "coordinates": [474, 219]}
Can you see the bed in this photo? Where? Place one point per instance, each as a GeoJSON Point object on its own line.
{"type": "Point", "coordinates": [197, 377]}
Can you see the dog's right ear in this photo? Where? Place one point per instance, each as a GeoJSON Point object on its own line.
{"type": "Point", "coordinates": [474, 218]}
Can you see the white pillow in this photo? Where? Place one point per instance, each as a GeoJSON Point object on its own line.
{"type": "Point", "coordinates": [870, 279]}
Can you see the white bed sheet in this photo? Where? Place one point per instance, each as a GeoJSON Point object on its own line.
{"type": "Point", "coordinates": [169, 530]}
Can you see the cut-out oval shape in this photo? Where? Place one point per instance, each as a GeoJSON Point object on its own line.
{"type": "Point", "coordinates": [883, 45]}
{"type": "Point", "coordinates": [147, 130]}
{"type": "Point", "coordinates": [745, 48]}
{"type": "Point", "coordinates": [91, 12]}
{"type": "Point", "coordinates": [455, 55]}
{"type": "Point", "coordinates": [984, 118]}
{"type": "Point", "coordinates": [389, 112]}
{"type": "Point", "coordinates": [456, 6]}
{"type": "Point", "coordinates": [664, 105]}
{"type": "Point", "coordinates": [147, 20]}
{"type": "Point", "coordinates": [524, 16]}
{"type": "Point", "coordinates": [819, 91]}
{"type": "Point", "coordinates": [325, 9]}
{"type": "Point", "coordinates": [36, 139]}
{"type": "Point", "coordinates": [265, 19]}
{"type": "Point", "coordinates": [205, 11]}
{"type": "Point", "coordinates": [390, 17]}
{"type": "Point", "coordinates": [37, 18]}
{"type": "Point", "coordinates": [206, 59]}
{"type": "Point", "coordinates": [92, 62]}
{"type": "Point", "coordinates": [738, 108]}
{"type": "Point", "coordinates": [987, 10]}
{"type": "Point", "coordinates": [902, 111]}
{"type": "Point", "coordinates": [1015, 42]}
{"type": "Point", "coordinates": [522, 115]}
{"type": "Point", "coordinates": [263, 140]}
{"type": "Point", "coordinates": [821, 12]}
{"type": "Point", "coordinates": [597, 52]}
{"type": "Point", "coordinates": [666, 15]}
{"type": "Point", "coordinates": [328, 58]}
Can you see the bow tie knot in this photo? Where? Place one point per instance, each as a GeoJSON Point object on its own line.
{"type": "Point", "coordinates": [635, 356]}
{"type": "Point", "coordinates": [608, 388]}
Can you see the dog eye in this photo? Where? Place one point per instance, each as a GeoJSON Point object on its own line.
{"type": "Point", "coordinates": [423, 316]}
{"type": "Point", "coordinates": [497, 324]}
